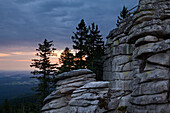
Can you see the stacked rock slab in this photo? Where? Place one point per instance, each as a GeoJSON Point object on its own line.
{"type": "Point", "coordinates": [137, 58]}
{"type": "Point", "coordinates": [57, 101]}
{"type": "Point", "coordinates": [91, 98]}
{"type": "Point", "coordinates": [78, 92]}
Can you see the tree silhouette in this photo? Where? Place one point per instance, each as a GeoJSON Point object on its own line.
{"type": "Point", "coordinates": [90, 47]}
{"type": "Point", "coordinates": [123, 14]}
{"type": "Point", "coordinates": [6, 106]}
{"type": "Point", "coordinates": [67, 61]}
{"type": "Point", "coordinates": [95, 49]}
{"type": "Point", "coordinates": [45, 69]}
{"type": "Point", "coordinates": [79, 43]}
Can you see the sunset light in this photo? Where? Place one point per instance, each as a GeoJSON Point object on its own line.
{"type": "Point", "coordinates": [4, 55]}
{"type": "Point", "coordinates": [84, 56]}
{"type": "Point", "coordinates": [22, 60]}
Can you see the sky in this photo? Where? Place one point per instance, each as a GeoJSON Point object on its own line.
{"type": "Point", "coordinates": [25, 23]}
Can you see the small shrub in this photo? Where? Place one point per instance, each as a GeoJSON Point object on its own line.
{"type": "Point", "coordinates": [122, 109]}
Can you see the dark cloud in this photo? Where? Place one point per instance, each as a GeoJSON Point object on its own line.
{"type": "Point", "coordinates": [28, 22]}
{"type": "Point", "coordinates": [23, 1]}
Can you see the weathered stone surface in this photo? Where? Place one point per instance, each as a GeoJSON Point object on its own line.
{"type": "Point", "coordinates": [150, 1]}
{"type": "Point", "coordinates": [150, 99]}
{"type": "Point", "coordinates": [160, 58]}
{"type": "Point", "coordinates": [74, 97]}
{"type": "Point", "coordinates": [89, 109]}
{"type": "Point", "coordinates": [93, 96]}
{"type": "Point", "coordinates": [124, 101]}
{"type": "Point", "coordinates": [122, 40]}
{"type": "Point", "coordinates": [151, 48]}
{"type": "Point", "coordinates": [101, 91]}
{"type": "Point", "coordinates": [75, 79]}
{"type": "Point", "coordinates": [114, 103]}
{"type": "Point", "coordinates": [123, 49]}
{"type": "Point", "coordinates": [128, 75]}
{"type": "Point", "coordinates": [152, 27]}
{"type": "Point", "coordinates": [76, 84]}
{"type": "Point", "coordinates": [115, 93]}
{"type": "Point", "coordinates": [93, 85]}
{"type": "Point", "coordinates": [146, 39]}
{"type": "Point", "coordinates": [145, 75]}
{"type": "Point", "coordinates": [121, 59]}
{"type": "Point", "coordinates": [144, 18]}
{"type": "Point", "coordinates": [123, 85]}
{"type": "Point", "coordinates": [73, 73]}
{"type": "Point", "coordinates": [67, 90]}
{"type": "Point", "coordinates": [60, 110]}
{"type": "Point", "coordinates": [154, 75]}
{"type": "Point", "coordinates": [158, 108]}
{"type": "Point", "coordinates": [129, 66]}
{"type": "Point", "coordinates": [143, 13]}
{"type": "Point", "coordinates": [88, 96]}
{"type": "Point", "coordinates": [151, 88]}
{"type": "Point", "coordinates": [53, 95]}
{"type": "Point", "coordinates": [82, 103]}
{"type": "Point", "coordinates": [58, 100]}
{"type": "Point", "coordinates": [107, 66]}
{"type": "Point", "coordinates": [151, 67]}
{"type": "Point", "coordinates": [56, 104]}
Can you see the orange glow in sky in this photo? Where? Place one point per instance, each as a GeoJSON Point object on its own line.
{"type": "Point", "coordinates": [22, 60]}
{"type": "Point", "coordinates": [4, 55]}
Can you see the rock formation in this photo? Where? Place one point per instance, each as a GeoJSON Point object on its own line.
{"type": "Point", "coordinates": [78, 92]}
{"type": "Point", "coordinates": [57, 101]}
{"type": "Point", "coordinates": [137, 58]}
{"type": "Point", "coordinates": [91, 98]}
{"type": "Point", "coordinates": [136, 64]}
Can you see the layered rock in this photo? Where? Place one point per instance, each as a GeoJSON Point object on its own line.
{"type": "Point", "coordinates": [136, 64]}
{"type": "Point", "coordinates": [91, 98]}
{"type": "Point", "coordinates": [57, 101]}
{"type": "Point", "coordinates": [78, 92]}
{"type": "Point", "coordinates": [137, 58]}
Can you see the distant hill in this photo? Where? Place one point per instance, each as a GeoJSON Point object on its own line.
{"type": "Point", "coordinates": [25, 98]}
{"type": "Point", "coordinates": [14, 84]}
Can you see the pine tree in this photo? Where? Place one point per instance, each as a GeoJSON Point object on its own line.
{"type": "Point", "coordinates": [94, 49]}
{"type": "Point", "coordinates": [79, 42]}
{"type": "Point", "coordinates": [45, 69]}
{"type": "Point", "coordinates": [123, 14]}
{"type": "Point", "coordinates": [90, 47]}
{"type": "Point", "coordinates": [67, 61]}
{"type": "Point", "coordinates": [6, 106]}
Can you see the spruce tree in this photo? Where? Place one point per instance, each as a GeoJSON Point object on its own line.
{"type": "Point", "coordinates": [66, 60]}
{"type": "Point", "coordinates": [94, 49]}
{"type": "Point", "coordinates": [45, 69]}
{"type": "Point", "coordinates": [123, 14]}
{"type": "Point", "coordinates": [79, 44]}
{"type": "Point", "coordinates": [90, 46]}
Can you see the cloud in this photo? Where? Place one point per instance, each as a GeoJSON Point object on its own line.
{"type": "Point", "coordinates": [28, 22]}
{"type": "Point", "coordinates": [20, 60]}
{"type": "Point", "coordinates": [23, 60]}
{"type": "Point", "coordinates": [23, 53]}
{"type": "Point", "coordinates": [4, 55]}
